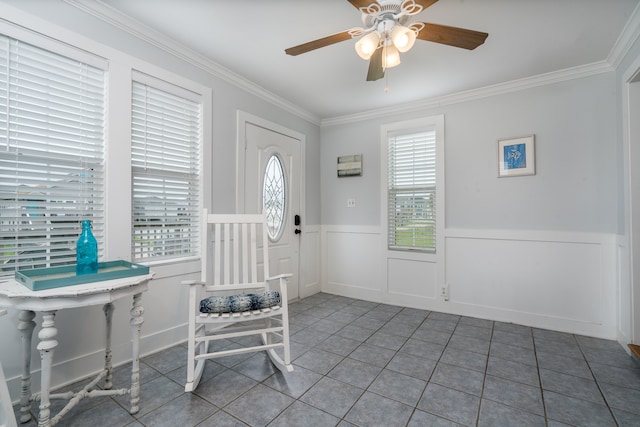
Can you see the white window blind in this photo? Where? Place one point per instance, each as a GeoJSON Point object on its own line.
{"type": "Point", "coordinates": [412, 191]}
{"type": "Point", "coordinates": [165, 173]}
{"type": "Point", "coordinates": [52, 113]}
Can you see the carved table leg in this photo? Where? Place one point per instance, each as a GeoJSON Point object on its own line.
{"type": "Point", "coordinates": [46, 346]}
{"type": "Point", "coordinates": [108, 312]}
{"type": "Point", "coordinates": [136, 323]}
{"type": "Point", "coordinates": [25, 326]}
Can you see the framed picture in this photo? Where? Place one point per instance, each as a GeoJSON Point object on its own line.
{"type": "Point", "coordinates": [516, 156]}
{"type": "Point", "coordinates": [350, 165]}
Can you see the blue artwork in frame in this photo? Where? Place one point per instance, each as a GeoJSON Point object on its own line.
{"type": "Point", "coordinates": [516, 156]}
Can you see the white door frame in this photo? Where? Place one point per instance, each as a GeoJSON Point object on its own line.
{"type": "Point", "coordinates": [242, 119]}
{"type": "Point", "coordinates": [629, 247]}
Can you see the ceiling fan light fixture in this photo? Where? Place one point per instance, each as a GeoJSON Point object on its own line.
{"type": "Point", "coordinates": [390, 56]}
{"type": "Point", "coordinates": [403, 38]}
{"type": "Point", "coordinates": [388, 29]}
{"type": "Point", "coordinates": [367, 45]}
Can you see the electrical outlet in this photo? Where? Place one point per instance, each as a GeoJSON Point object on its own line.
{"type": "Point", "coordinates": [444, 292]}
{"type": "Point", "coordinates": [351, 203]}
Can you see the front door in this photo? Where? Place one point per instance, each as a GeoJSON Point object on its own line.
{"type": "Point", "coordinates": [272, 185]}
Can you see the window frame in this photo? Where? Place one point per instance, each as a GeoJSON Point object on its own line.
{"type": "Point", "coordinates": [435, 123]}
{"type": "Point", "coordinates": [179, 91]}
{"type": "Point", "coordinates": [63, 57]}
{"type": "Point", "coordinates": [285, 200]}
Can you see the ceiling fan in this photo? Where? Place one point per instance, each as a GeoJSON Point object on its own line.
{"type": "Point", "coordinates": [388, 31]}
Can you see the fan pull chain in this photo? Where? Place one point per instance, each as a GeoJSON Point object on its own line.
{"type": "Point", "coordinates": [386, 82]}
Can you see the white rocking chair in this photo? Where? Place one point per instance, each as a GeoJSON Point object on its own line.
{"type": "Point", "coordinates": [236, 299]}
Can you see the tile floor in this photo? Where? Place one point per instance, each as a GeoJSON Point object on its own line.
{"type": "Point", "coordinates": [359, 363]}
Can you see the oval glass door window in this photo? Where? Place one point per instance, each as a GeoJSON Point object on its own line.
{"type": "Point", "coordinates": [274, 197]}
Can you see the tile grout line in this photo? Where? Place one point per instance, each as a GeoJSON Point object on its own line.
{"type": "Point", "coordinates": [486, 368]}
{"type": "Point", "coordinates": [604, 398]}
{"type": "Point", "coordinates": [535, 354]}
{"type": "Point", "coordinates": [428, 381]}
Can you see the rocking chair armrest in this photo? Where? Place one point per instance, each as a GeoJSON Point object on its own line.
{"type": "Point", "coordinates": [279, 276]}
{"type": "Point", "coordinates": [192, 282]}
{"type": "Point", "coordinates": [283, 284]}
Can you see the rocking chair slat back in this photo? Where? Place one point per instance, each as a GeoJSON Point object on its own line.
{"type": "Point", "coordinates": [239, 251]}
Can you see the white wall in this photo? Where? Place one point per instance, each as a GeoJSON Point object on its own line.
{"type": "Point", "coordinates": [538, 250]}
{"type": "Point", "coordinates": [575, 186]}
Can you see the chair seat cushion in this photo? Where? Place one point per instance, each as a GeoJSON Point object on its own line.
{"type": "Point", "coordinates": [239, 303]}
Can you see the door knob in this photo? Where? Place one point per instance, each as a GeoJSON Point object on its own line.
{"type": "Point", "coordinates": [297, 231]}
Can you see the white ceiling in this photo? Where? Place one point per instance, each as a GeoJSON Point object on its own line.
{"type": "Point", "coordinates": [526, 38]}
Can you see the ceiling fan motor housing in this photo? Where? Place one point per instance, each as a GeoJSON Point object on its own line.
{"type": "Point", "coordinates": [383, 11]}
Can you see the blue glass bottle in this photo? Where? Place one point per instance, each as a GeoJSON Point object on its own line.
{"type": "Point", "coordinates": [86, 251]}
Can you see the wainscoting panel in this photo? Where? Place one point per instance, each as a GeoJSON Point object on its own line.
{"type": "Point", "coordinates": [624, 303]}
{"type": "Point", "coordinates": [562, 281]}
{"type": "Point", "coordinates": [531, 277]}
{"type": "Point", "coordinates": [310, 261]}
{"type": "Point", "coordinates": [411, 278]}
{"type": "Point", "coordinates": [352, 263]}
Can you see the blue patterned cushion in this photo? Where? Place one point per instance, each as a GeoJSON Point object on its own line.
{"type": "Point", "coordinates": [239, 303]}
{"type": "Point", "coordinates": [215, 305]}
{"type": "Point", "coordinates": [265, 300]}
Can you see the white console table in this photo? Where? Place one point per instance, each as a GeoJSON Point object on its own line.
{"type": "Point", "coordinates": [48, 302]}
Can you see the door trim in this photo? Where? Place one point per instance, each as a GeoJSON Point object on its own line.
{"type": "Point", "coordinates": [629, 248]}
{"type": "Point", "coordinates": [243, 119]}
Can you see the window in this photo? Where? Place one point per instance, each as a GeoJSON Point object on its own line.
{"type": "Point", "coordinates": [52, 117]}
{"type": "Point", "coordinates": [165, 156]}
{"type": "Point", "coordinates": [274, 197]}
{"type": "Point", "coordinates": [412, 187]}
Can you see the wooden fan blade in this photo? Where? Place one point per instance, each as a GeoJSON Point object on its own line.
{"type": "Point", "coordinates": [425, 3]}
{"type": "Point", "coordinates": [376, 71]}
{"type": "Point", "coordinates": [452, 36]}
{"type": "Point", "coordinates": [316, 44]}
{"type": "Point", "coordinates": [361, 3]}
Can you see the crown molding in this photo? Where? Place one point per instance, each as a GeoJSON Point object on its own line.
{"type": "Point", "coordinates": [119, 20]}
{"type": "Point", "coordinates": [474, 94]}
{"type": "Point", "coordinates": [626, 39]}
